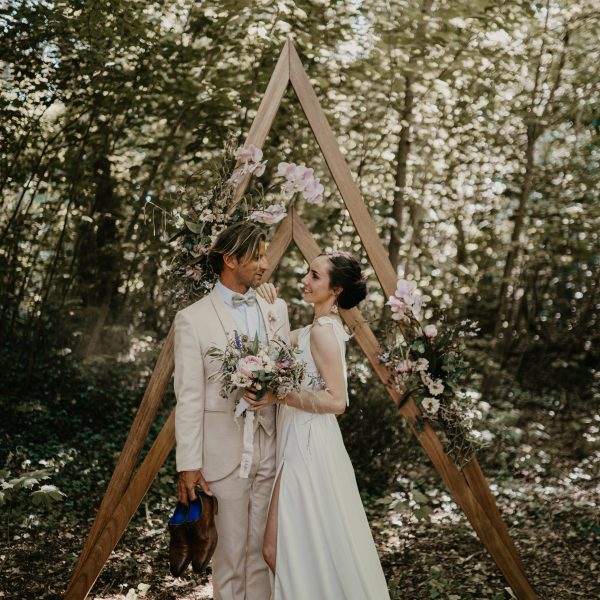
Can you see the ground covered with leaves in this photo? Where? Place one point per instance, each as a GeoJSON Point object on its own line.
{"type": "Point", "coordinates": [543, 466]}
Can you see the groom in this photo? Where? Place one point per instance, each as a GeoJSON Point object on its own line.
{"type": "Point", "coordinates": [209, 441]}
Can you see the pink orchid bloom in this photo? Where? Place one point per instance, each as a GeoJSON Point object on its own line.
{"type": "Point", "coordinates": [255, 153]}
{"type": "Point", "coordinates": [251, 153]}
{"type": "Point", "coordinates": [308, 175]}
{"type": "Point", "coordinates": [405, 288]}
{"type": "Point", "coordinates": [272, 214]}
{"type": "Point", "coordinates": [288, 189]}
{"type": "Point", "coordinates": [287, 170]}
{"type": "Point", "coordinates": [417, 302]}
{"type": "Point", "coordinates": [300, 171]}
{"type": "Point", "coordinates": [396, 304]}
{"type": "Point", "coordinates": [260, 168]}
{"type": "Point", "coordinates": [314, 192]}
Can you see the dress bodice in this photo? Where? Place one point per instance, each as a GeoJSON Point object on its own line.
{"type": "Point", "coordinates": [313, 378]}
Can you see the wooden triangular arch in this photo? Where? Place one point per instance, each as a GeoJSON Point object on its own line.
{"type": "Point", "coordinates": [124, 493]}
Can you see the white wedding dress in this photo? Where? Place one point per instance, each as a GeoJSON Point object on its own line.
{"type": "Point", "coordinates": [325, 550]}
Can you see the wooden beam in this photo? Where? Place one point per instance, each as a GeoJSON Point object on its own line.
{"type": "Point", "coordinates": [269, 106]}
{"type": "Point", "coordinates": [278, 245]}
{"type": "Point", "coordinates": [134, 443]}
{"type": "Point", "coordinates": [341, 174]}
{"type": "Point", "coordinates": [371, 242]}
{"type": "Point", "coordinates": [478, 484]}
{"type": "Point", "coordinates": [492, 539]}
{"type": "Point", "coordinates": [115, 525]}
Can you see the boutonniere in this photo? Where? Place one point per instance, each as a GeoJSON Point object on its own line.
{"type": "Point", "coordinates": [272, 317]}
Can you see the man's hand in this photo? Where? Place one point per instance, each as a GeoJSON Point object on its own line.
{"type": "Point", "coordinates": [188, 480]}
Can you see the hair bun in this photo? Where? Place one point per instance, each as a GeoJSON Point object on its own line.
{"type": "Point", "coordinates": [353, 294]}
{"type": "Point", "coordinates": [346, 273]}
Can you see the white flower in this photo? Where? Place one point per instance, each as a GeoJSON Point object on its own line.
{"type": "Point", "coordinates": [270, 215]}
{"type": "Point", "coordinates": [430, 331]}
{"type": "Point", "coordinates": [431, 406]}
{"type": "Point", "coordinates": [421, 364]}
{"type": "Point", "coordinates": [435, 387]}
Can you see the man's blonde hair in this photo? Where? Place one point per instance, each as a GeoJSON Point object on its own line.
{"type": "Point", "coordinates": [241, 240]}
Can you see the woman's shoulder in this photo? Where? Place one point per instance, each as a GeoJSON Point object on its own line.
{"type": "Point", "coordinates": [327, 324]}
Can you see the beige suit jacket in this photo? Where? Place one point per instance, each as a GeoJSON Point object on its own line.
{"type": "Point", "coordinates": [207, 436]}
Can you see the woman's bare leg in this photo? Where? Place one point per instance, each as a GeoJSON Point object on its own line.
{"type": "Point", "coordinates": [270, 539]}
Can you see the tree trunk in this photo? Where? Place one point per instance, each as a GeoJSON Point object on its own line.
{"type": "Point", "coordinates": [514, 251]}
{"type": "Point", "coordinates": [402, 153]}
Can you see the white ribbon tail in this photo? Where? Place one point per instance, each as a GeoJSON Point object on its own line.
{"type": "Point", "coordinates": [248, 453]}
{"type": "Point", "coordinates": [240, 408]}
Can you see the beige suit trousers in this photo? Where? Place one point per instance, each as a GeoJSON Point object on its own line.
{"type": "Point", "coordinates": [239, 570]}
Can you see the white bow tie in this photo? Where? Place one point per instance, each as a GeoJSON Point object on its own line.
{"type": "Point", "coordinates": [238, 299]}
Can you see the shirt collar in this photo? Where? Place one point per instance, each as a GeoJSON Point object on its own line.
{"type": "Point", "coordinates": [226, 293]}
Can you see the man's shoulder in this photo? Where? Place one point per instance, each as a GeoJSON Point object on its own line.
{"type": "Point", "coordinates": [280, 304]}
{"type": "Point", "coordinates": [196, 308]}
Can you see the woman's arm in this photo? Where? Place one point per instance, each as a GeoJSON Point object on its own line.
{"type": "Point", "coordinates": [325, 350]}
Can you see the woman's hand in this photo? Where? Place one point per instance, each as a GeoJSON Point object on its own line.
{"type": "Point", "coordinates": [268, 292]}
{"type": "Point", "coordinates": [268, 399]}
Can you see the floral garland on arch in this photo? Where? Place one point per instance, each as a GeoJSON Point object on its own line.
{"type": "Point", "coordinates": [427, 363]}
{"type": "Point", "coordinates": [203, 213]}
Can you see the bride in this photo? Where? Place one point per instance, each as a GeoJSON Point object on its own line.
{"type": "Point", "coordinates": [317, 541]}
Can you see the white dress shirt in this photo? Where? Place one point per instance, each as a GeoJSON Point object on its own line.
{"type": "Point", "coordinates": [248, 319]}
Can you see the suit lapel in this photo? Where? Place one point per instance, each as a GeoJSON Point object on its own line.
{"type": "Point", "coordinates": [223, 313]}
{"type": "Point", "coordinates": [265, 309]}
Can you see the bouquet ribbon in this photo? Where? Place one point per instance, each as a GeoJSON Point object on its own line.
{"type": "Point", "coordinates": [248, 437]}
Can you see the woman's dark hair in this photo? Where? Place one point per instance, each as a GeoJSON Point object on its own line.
{"type": "Point", "coordinates": [240, 240]}
{"type": "Point", "coordinates": [345, 273]}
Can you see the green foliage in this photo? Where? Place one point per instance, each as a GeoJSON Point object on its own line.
{"type": "Point", "coordinates": [31, 481]}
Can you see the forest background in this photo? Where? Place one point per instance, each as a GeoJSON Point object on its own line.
{"type": "Point", "coordinates": [473, 131]}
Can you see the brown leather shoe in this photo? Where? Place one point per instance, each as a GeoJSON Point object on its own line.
{"type": "Point", "coordinates": [180, 547]}
{"type": "Point", "coordinates": [203, 533]}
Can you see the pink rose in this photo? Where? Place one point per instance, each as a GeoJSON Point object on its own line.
{"type": "Point", "coordinates": [249, 365]}
{"type": "Point", "coordinates": [404, 366]}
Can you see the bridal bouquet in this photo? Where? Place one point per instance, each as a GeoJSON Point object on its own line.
{"type": "Point", "coordinates": [248, 363]}
{"type": "Point", "coordinates": [245, 362]}
{"type": "Point", "coordinates": [427, 362]}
